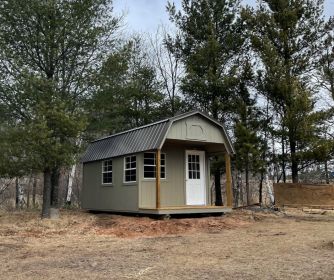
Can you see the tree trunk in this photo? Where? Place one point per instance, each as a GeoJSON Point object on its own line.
{"type": "Point", "coordinates": [294, 162]}
{"type": "Point", "coordinates": [70, 184]}
{"type": "Point", "coordinates": [326, 172]}
{"type": "Point", "coordinates": [283, 160]}
{"type": "Point", "coordinates": [34, 187]}
{"type": "Point", "coordinates": [55, 187]}
{"type": "Point", "coordinates": [28, 193]}
{"type": "Point", "coordinates": [46, 194]}
{"type": "Point", "coordinates": [19, 200]}
{"type": "Point", "coordinates": [261, 188]}
{"type": "Point", "coordinates": [17, 190]}
{"type": "Point", "coordinates": [269, 189]}
{"type": "Point", "coordinates": [240, 187]}
{"type": "Point", "coordinates": [236, 190]}
{"type": "Point", "coordinates": [218, 190]}
{"type": "Point", "coordinates": [248, 193]}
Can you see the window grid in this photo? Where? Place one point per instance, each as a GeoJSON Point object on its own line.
{"type": "Point", "coordinates": [130, 169]}
{"type": "Point", "coordinates": [150, 166]}
{"type": "Point", "coordinates": [107, 172]}
{"type": "Point", "coordinates": [194, 167]}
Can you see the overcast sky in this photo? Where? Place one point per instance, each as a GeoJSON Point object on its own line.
{"type": "Point", "coordinates": [146, 15]}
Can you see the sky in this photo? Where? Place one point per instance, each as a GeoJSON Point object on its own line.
{"type": "Point", "coordinates": [147, 15]}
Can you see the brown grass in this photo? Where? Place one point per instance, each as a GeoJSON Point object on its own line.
{"type": "Point", "coordinates": [242, 245]}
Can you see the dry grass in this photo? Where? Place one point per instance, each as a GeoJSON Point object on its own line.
{"type": "Point", "coordinates": [242, 245]}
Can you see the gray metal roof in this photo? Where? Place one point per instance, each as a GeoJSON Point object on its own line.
{"type": "Point", "coordinates": [144, 138]}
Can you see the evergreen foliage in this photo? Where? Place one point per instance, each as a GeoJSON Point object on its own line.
{"type": "Point", "coordinates": [49, 52]}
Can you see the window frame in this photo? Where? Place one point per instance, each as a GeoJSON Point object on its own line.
{"type": "Point", "coordinates": [131, 168]}
{"type": "Point", "coordinates": [155, 166]}
{"type": "Point", "coordinates": [106, 172]}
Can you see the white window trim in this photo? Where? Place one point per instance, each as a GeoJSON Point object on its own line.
{"type": "Point", "coordinates": [103, 172]}
{"type": "Point", "coordinates": [153, 178]}
{"type": "Point", "coordinates": [124, 169]}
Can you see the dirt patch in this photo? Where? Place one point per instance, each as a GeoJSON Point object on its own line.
{"type": "Point", "coordinates": [78, 222]}
{"type": "Point", "coordinates": [242, 245]}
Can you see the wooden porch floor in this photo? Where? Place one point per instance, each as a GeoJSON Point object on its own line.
{"type": "Point", "coordinates": [188, 209]}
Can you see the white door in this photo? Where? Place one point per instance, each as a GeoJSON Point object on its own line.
{"type": "Point", "coordinates": [195, 178]}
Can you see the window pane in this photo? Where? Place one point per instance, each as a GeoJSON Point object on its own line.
{"type": "Point", "coordinates": [149, 158]}
{"type": "Point", "coordinates": [149, 168]}
{"type": "Point", "coordinates": [149, 161]}
{"type": "Point", "coordinates": [149, 174]}
{"type": "Point", "coordinates": [107, 178]}
{"type": "Point", "coordinates": [198, 175]}
{"type": "Point", "coordinates": [133, 175]}
{"type": "Point", "coordinates": [133, 164]}
{"type": "Point", "coordinates": [150, 165]}
{"type": "Point", "coordinates": [163, 175]}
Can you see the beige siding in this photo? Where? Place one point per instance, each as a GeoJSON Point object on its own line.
{"type": "Point", "coordinates": [119, 196]}
{"type": "Point", "coordinates": [172, 188]}
{"type": "Point", "coordinates": [196, 128]}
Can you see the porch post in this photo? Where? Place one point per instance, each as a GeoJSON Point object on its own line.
{"type": "Point", "coordinates": [229, 197]}
{"type": "Point", "coordinates": [157, 178]}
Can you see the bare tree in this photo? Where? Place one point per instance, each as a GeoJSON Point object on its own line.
{"type": "Point", "coordinates": [169, 66]}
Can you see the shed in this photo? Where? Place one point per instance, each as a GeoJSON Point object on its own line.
{"type": "Point", "coordinates": [159, 168]}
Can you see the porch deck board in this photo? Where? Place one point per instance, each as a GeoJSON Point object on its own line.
{"type": "Point", "coordinates": [185, 210]}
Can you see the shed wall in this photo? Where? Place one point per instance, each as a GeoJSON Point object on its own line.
{"type": "Point", "coordinates": [172, 189]}
{"type": "Point", "coordinates": [196, 128]}
{"type": "Point", "coordinates": [118, 197]}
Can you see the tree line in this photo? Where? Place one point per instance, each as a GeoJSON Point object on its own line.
{"type": "Point", "coordinates": [68, 74]}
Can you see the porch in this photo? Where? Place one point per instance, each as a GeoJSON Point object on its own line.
{"type": "Point", "coordinates": [186, 210]}
{"type": "Point", "coordinates": [172, 195]}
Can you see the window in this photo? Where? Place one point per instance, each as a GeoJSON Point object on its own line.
{"type": "Point", "coordinates": [150, 166]}
{"type": "Point", "coordinates": [130, 169]}
{"type": "Point", "coordinates": [107, 172]}
{"type": "Point", "coordinates": [193, 167]}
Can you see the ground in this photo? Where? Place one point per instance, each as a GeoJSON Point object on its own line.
{"type": "Point", "coordinates": [245, 244]}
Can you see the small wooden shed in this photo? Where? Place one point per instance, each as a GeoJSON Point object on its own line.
{"type": "Point", "coordinates": [160, 168]}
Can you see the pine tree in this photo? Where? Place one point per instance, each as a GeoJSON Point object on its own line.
{"type": "Point", "coordinates": [286, 34]}
{"type": "Point", "coordinates": [49, 51]}
{"type": "Point", "coordinates": [248, 124]}
{"type": "Point", "coordinates": [128, 93]}
{"type": "Point", "coordinates": [209, 42]}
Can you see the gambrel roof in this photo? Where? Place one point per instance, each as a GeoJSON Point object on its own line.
{"type": "Point", "coordinates": [140, 139]}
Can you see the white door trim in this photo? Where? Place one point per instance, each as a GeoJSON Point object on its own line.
{"type": "Point", "coordinates": [196, 188]}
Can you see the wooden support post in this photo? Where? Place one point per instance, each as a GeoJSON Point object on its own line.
{"type": "Point", "coordinates": [229, 197]}
{"type": "Point", "coordinates": [157, 178]}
